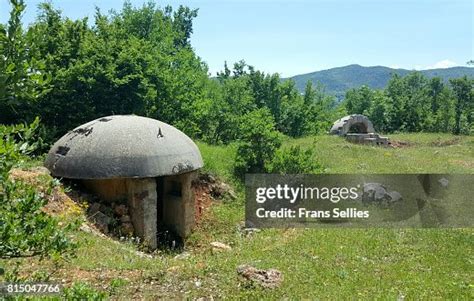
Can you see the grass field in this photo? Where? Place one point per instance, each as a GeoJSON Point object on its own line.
{"type": "Point", "coordinates": [316, 263]}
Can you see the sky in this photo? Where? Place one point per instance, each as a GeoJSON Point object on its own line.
{"type": "Point", "coordinates": [302, 36]}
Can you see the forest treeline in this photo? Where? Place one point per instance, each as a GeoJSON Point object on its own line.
{"type": "Point", "coordinates": [140, 61]}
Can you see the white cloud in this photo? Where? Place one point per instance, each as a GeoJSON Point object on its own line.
{"type": "Point", "coordinates": [443, 64]}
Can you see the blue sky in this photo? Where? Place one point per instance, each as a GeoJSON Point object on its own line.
{"type": "Point", "coordinates": [295, 37]}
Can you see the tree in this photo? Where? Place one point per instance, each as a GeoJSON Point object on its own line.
{"type": "Point", "coordinates": [378, 112]}
{"type": "Point", "coordinates": [463, 93]}
{"type": "Point", "coordinates": [358, 100]}
{"type": "Point", "coordinates": [22, 78]}
{"type": "Point", "coordinates": [309, 94]}
{"type": "Point", "coordinates": [258, 142]}
{"type": "Point", "coordinates": [135, 61]}
{"type": "Point", "coordinates": [417, 105]}
{"type": "Point", "coordinates": [397, 100]}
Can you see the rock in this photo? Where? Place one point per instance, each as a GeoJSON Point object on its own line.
{"type": "Point", "coordinates": [183, 255]}
{"type": "Point", "coordinates": [246, 230]}
{"type": "Point", "coordinates": [85, 228]}
{"type": "Point", "coordinates": [207, 178]}
{"type": "Point", "coordinates": [104, 208]}
{"type": "Point", "coordinates": [270, 278]}
{"type": "Point", "coordinates": [101, 221]}
{"type": "Point", "coordinates": [218, 246]}
{"type": "Point", "coordinates": [125, 218]}
{"type": "Point", "coordinates": [127, 229]}
{"type": "Point", "coordinates": [220, 189]}
{"type": "Point", "coordinates": [395, 196]}
{"type": "Point", "coordinates": [374, 192]}
{"type": "Point", "coordinates": [443, 182]}
{"type": "Point", "coordinates": [93, 208]}
{"type": "Point", "coordinates": [377, 193]}
{"type": "Point", "coordinates": [41, 170]}
{"type": "Point", "coordinates": [232, 194]}
{"type": "Point", "coordinates": [121, 210]}
{"type": "Point", "coordinates": [250, 231]}
{"type": "Point", "coordinates": [143, 255]}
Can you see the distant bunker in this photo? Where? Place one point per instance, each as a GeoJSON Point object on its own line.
{"type": "Point", "coordinates": [358, 129]}
{"type": "Point", "coordinates": [146, 162]}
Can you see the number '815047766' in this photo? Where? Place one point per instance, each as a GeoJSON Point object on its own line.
{"type": "Point", "coordinates": [30, 288]}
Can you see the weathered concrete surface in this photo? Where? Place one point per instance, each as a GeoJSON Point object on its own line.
{"type": "Point", "coordinates": [142, 202]}
{"type": "Point", "coordinates": [123, 146]}
{"type": "Point", "coordinates": [372, 138]}
{"type": "Point", "coordinates": [352, 123]}
{"type": "Point", "coordinates": [358, 129]}
{"type": "Point", "coordinates": [178, 203]}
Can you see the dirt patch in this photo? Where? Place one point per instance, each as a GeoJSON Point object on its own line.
{"type": "Point", "coordinates": [207, 189]}
{"type": "Point", "coordinates": [203, 200]}
{"type": "Point", "coordinates": [400, 144]}
{"type": "Point", "coordinates": [467, 164]}
{"type": "Point", "coordinates": [100, 277]}
{"type": "Point", "coordinates": [442, 143]}
{"type": "Point", "coordinates": [59, 203]}
{"type": "Point", "coordinates": [270, 278]}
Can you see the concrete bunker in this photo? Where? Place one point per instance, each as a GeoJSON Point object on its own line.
{"type": "Point", "coordinates": [145, 162]}
{"type": "Point", "coordinates": [357, 128]}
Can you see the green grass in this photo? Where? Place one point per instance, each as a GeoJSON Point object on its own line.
{"type": "Point", "coordinates": [219, 161]}
{"type": "Point", "coordinates": [316, 263]}
{"type": "Point", "coordinates": [425, 153]}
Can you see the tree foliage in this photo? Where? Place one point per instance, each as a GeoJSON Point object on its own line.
{"type": "Point", "coordinates": [139, 60]}
{"type": "Point", "coordinates": [258, 142]}
{"type": "Point", "coordinates": [414, 103]}
{"type": "Point", "coordinates": [294, 160]}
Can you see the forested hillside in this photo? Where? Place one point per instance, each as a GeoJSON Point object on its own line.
{"type": "Point", "coordinates": [337, 81]}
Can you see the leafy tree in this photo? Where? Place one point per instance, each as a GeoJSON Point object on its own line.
{"type": "Point", "coordinates": [379, 111]}
{"type": "Point", "coordinates": [258, 143]}
{"type": "Point", "coordinates": [309, 94]}
{"type": "Point", "coordinates": [22, 79]}
{"type": "Point", "coordinates": [135, 61]}
{"type": "Point", "coordinates": [397, 100]}
{"type": "Point", "coordinates": [322, 112]}
{"type": "Point", "coordinates": [358, 100]}
{"type": "Point", "coordinates": [463, 90]}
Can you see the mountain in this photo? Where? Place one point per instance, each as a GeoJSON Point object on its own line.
{"type": "Point", "coordinates": [338, 80]}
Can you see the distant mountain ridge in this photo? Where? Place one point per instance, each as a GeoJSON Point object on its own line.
{"type": "Point", "coordinates": [338, 80]}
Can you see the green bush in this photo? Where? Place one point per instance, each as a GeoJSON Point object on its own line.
{"type": "Point", "coordinates": [83, 291]}
{"type": "Point", "coordinates": [293, 160]}
{"type": "Point", "coordinates": [25, 230]}
{"type": "Point", "coordinates": [258, 142]}
{"type": "Point", "coordinates": [17, 142]}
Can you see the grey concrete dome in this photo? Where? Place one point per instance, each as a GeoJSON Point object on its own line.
{"type": "Point", "coordinates": [123, 146]}
{"type": "Point", "coordinates": [352, 123]}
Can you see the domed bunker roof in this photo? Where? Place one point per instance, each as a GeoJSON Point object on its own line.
{"type": "Point", "coordinates": [123, 146]}
{"type": "Point", "coordinates": [355, 123]}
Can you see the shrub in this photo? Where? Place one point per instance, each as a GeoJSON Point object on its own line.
{"type": "Point", "coordinates": [258, 142]}
{"type": "Point", "coordinates": [25, 230]}
{"type": "Point", "coordinates": [293, 160]}
{"type": "Point", "coordinates": [83, 291]}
